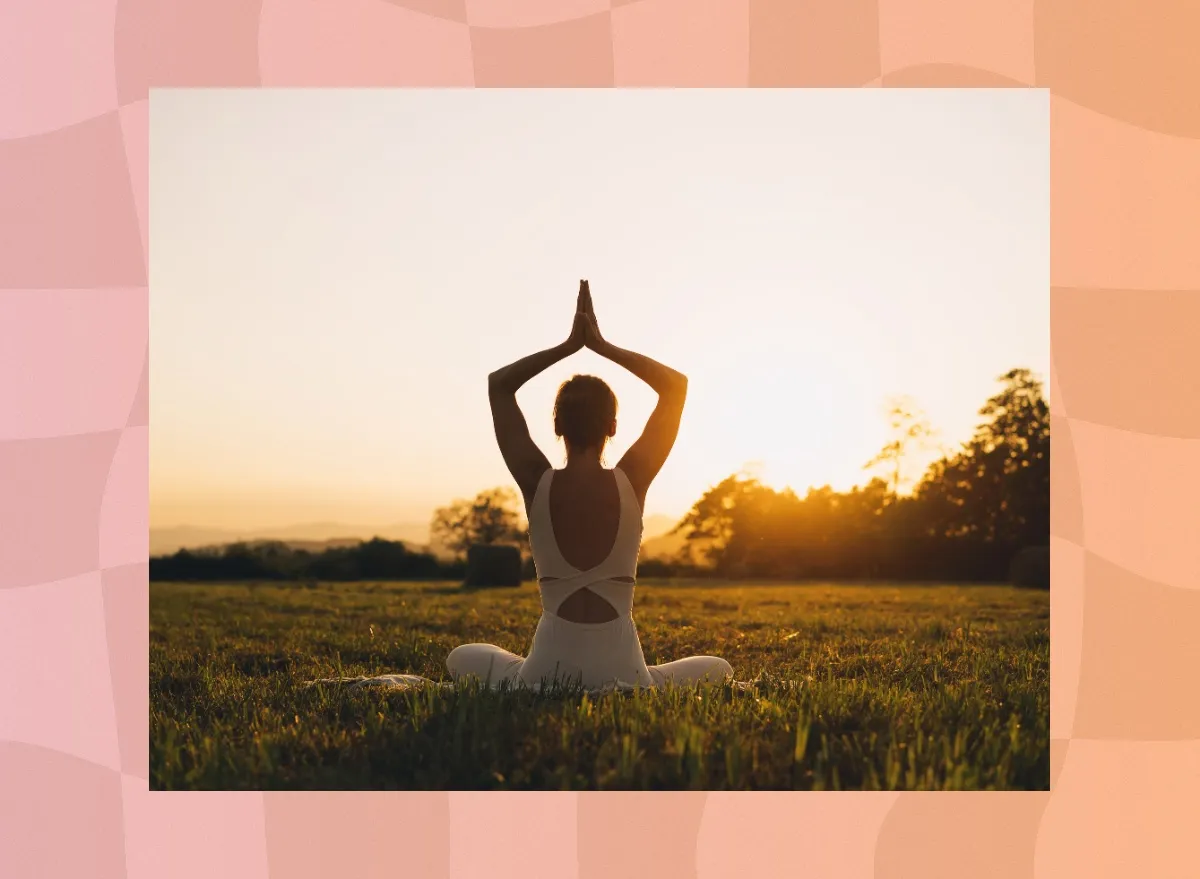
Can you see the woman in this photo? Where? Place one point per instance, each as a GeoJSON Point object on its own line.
{"type": "Point", "coordinates": [585, 524]}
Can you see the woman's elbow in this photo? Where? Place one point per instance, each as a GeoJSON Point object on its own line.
{"type": "Point", "coordinates": [679, 385]}
{"type": "Point", "coordinates": [496, 383]}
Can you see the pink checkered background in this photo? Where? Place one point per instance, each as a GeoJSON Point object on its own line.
{"type": "Point", "coordinates": [1125, 209]}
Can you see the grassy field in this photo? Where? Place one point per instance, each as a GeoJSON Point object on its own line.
{"type": "Point", "coordinates": [878, 687]}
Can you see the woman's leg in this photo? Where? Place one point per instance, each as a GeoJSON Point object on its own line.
{"type": "Point", "coordinates": [489, 663]}
{"type": "Point", "coordinates": [692, 670]}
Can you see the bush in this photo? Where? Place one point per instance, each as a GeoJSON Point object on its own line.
{"type": "Point", "coordinates": [374, 559]}
{"type": "Point", "coordinates": [493, 565]}
{"type": "Point", "coordinates": [1031, 567]}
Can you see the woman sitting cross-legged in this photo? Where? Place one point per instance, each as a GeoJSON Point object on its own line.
{"type": "Point", "coordinates": [585, 524]}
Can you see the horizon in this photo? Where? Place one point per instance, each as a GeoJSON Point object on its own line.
{"type": "Point", "coordinates": [331, 268]}
{"type": "Point", "coordinates": [168, 539]}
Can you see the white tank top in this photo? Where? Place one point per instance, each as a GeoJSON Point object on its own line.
{"type": "Point", "coordinates": [613, 578]}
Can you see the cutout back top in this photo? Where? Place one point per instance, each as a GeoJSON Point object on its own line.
{"type": "Point", "coordinates": [613, 578]}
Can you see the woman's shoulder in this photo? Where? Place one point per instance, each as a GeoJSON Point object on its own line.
{"type": "Point", "coordinates": [532, 485]}
{"type": "Point", "coordinates": [638, 491]}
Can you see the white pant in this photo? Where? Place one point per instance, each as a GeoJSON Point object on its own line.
{"type": "Point", "coordinates": [594, 655]}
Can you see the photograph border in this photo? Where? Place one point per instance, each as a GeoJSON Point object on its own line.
{"type": "Point", "coordinates": [74, 436]}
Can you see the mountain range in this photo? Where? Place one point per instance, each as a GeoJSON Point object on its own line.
{"type": "Point", "coordinates": [320, 535]}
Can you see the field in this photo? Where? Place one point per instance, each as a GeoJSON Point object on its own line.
{"type": "Point", "coordinates": [860, 686]}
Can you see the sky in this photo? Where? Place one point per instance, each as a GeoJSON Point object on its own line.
{"type": "Point", "coordinates": [335, 272]}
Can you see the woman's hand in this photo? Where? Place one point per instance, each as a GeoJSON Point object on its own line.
{"type": "Point", "coordinates": [579, 330]}
{"type": "Point", "coordinates": [591, 337]}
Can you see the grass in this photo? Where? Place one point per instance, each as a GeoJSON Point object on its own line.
{"type": "Point", "coordinates": [863, 686]}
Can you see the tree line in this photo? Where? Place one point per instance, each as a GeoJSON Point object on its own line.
{"type": "Point", "coordinates": [971, 513]}
{"type": "Point", "coordinates": [967, 517]}
{"type": "Point", "coordinates": [375, 559]}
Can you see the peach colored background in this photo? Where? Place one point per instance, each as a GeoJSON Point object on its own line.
{"type": "Point", "coordinates": [1125, 141]}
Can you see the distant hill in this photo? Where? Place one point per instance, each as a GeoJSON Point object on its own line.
{"type": "Point", "coordinates": [656, 524]}
{"type": "Point", "coordinates": [663, 546]}
{"type": "Point", "coordinates": [323, 535]}
{"type": "Point", "coordinates": [315, 535]}
{"type": "Point", "coordinates": [317, 545]}
{"type": "Point", "coordinates": [657, 542]}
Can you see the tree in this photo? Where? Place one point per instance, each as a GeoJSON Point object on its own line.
{"type": "Point", "coordinates": [1013, 451]}
{"type": "Point", "coordinates": [996, 489]}
{"type": "Point", "coordinates": [969, 513]}
{"type": "Point", "coordinates": [491, 518]}
{"type": "Point", "coordinates": [909, 431]}
{"type": "Point", "coordinates": [716, 524]}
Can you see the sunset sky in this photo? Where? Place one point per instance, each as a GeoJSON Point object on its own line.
{"type": "Point", "coordinates": [334, 274]}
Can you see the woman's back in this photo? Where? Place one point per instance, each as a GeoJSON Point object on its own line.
{"type": "Point", "coordinates": [585, 512]}
{"type": "Point", "coordinates": [585, 529]}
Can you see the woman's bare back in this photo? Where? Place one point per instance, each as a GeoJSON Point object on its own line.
{"type": "Point", "coordinates": [585, 512]}
{"type": "Point", "coordinates": [585, 516]}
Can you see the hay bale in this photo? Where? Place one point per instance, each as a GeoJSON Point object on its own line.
{"type": "Point", "coordinates": [493, 565]}
{"type": "Point", "coordinates": [1031, 567]}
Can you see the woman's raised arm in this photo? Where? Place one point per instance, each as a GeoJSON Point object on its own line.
{"type": "Point", "coordinates": [648, 454]}
{"type": "Point", "coordinates": [525, 461]}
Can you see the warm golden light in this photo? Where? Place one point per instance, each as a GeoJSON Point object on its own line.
{"type": "Point", "coordinates": [333, 277]}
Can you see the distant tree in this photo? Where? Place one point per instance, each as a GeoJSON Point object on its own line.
{"type": "Point", "coordinates": [909, 432]}
{"type": "Point", "coordinates": [996, 489]}
{"type": "Point", "coordinates": [1013, 450]}
{"type": "Point", "coordinates": [741, 526]}
{"type": "Point", "coordinates": [492, 517]}
{"type": "Point", "coordinates": [378, 558]}
{"type": "Point", "coordinates": [709, 520]}
{"type": "Point", "coordinates": [968, 515]}
{"type": "Point", "coordinates": [374, 559]}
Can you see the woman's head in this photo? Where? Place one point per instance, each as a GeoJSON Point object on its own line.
{"type": "Point", "coordinates": [585, 413]}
